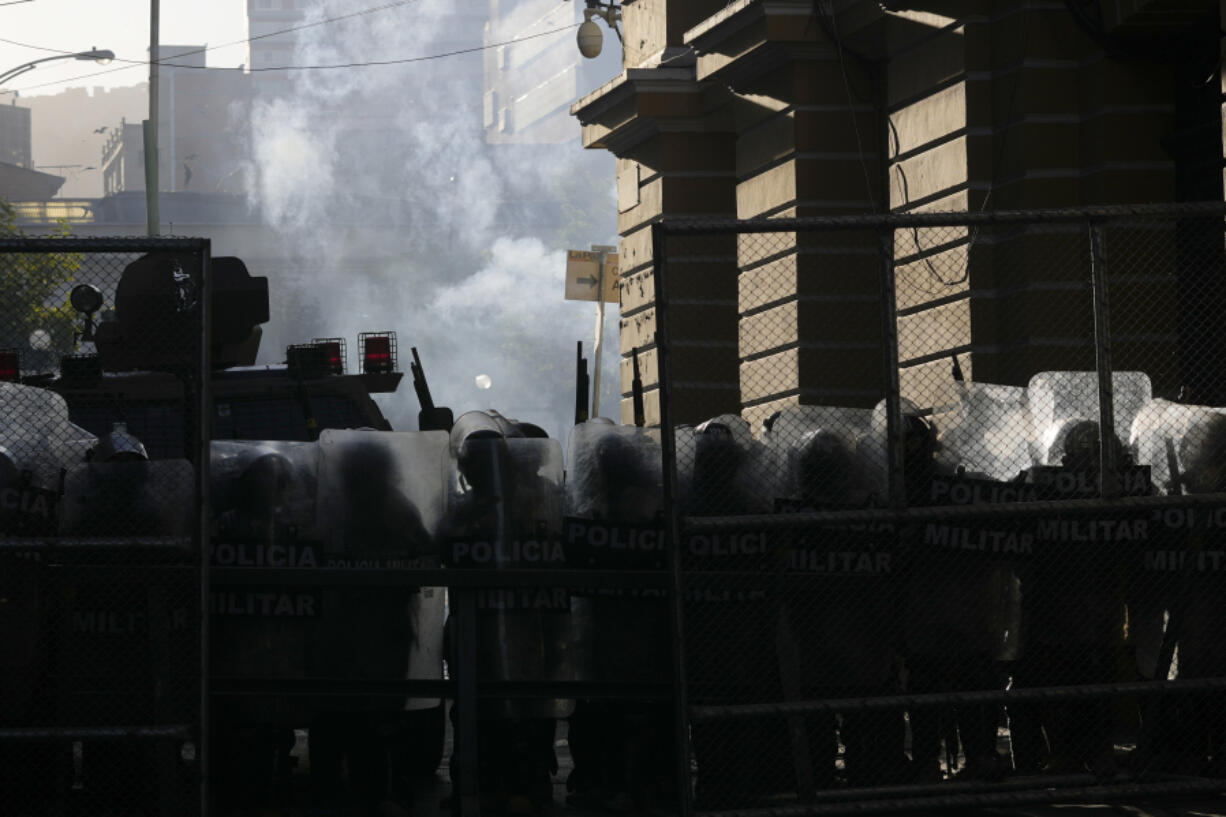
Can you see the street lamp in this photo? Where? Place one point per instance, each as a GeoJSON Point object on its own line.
{"type": "Point", "coordinates": [98, 55]}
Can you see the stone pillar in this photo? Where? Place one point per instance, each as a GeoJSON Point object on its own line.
{"type": "Point", "coordinates": [808, 143]}
{"type": "Point", "coordinates": [675, 160]}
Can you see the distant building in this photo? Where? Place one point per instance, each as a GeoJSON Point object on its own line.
{"type": "Point", "coordinates": [269, 17]}
{"type": "Point", "coordinates": [15, 135]}
{"type": "Point", "coordinates": [123, 159]}
{"type": "Point", "coordinates": [202, 129]}
{"type": "Point", "coordinates": [530, 84]}
{"type": "Point", "coordinates": [69, 129]}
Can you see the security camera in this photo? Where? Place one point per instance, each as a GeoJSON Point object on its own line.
{"type": "Point", "coordinates": [590, 39]}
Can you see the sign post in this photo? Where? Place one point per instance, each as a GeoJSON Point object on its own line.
{"type": "Point", "coordinates": [592, 276]}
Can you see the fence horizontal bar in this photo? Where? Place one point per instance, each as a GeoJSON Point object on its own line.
{"type": "Point", "coordinates": [178, 731]}
{"type": "Point", "coordinates": [1081, 794]}
{"type": "Point", "coordinates": [416, 577]}
{"type": "Point", "coordinates": [690, 226]}
{"type": "Point", "coordinates": [739, 711]}
{"type": "Point", "coordinates": [99, 542]}
{"type": "Point", "coordinates": [948, 513]}
{"type": "Point", "coordinates": [954, 786]}
{"type": "Point", "coordinates": [71, 244]}
{"type": "Point", "coordinates": [230, 686]}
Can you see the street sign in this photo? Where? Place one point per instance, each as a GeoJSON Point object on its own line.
{"type": "Point", "coordinates": [583, 274]}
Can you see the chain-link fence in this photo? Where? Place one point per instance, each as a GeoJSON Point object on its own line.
{"type": "Point", "coordinates": [911, 571]}
{"type": "Point", "coordinates": [100, 556]}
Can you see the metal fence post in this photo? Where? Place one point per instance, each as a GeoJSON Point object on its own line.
{"type": "Point", "coordinates": [673, 519]}
{"type": "Point", "coordinates": [889, 348]}
{"type": "Point", "coordinates": [204, 435]}
{"type": "Point", "coordinates": [464, 608]}
{"type": "Point", "coordinates": [1109, 479]}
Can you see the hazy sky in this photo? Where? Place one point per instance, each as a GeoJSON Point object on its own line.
{"type": "Point", "coordinates": [120, 25]}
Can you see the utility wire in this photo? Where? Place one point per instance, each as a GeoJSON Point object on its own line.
{"type": "Point", "coordinates": [135, 63]}
{"type": "Point", "coordinates": [415, 59]}
{"type": "Point", "coordinates": [401, 61]}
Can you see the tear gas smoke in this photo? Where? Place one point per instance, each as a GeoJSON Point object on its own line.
{"type": "Point", "coordinates": [397, 214]}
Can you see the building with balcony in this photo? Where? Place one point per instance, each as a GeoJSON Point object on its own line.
{"type": "Point", "coordinates": [202, 129]}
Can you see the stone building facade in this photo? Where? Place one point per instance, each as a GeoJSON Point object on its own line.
{"type": "Point", "coordinates": [781, 108]}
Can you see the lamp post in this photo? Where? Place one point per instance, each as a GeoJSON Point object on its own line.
{"type": "Point", "coordinates": [100, 55]}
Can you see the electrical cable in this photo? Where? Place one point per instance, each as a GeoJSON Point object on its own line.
{"type": "Point", "coordinates": [333, 66]}
{"type": "Point", "coordinates": [404, 60]}
{"type": "Point", "coordinates": [291, 29]}
{"type": "Point", "coordinates": [143, 63]}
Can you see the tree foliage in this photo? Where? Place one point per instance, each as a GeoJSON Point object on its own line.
{"type": "Point", "coordinates": [34, 289]}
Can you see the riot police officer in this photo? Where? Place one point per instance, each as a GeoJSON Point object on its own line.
{"type": "Point", "coordinates": [1186, 569]}
{"type": "Point", "coordinates": [505, 513]}
{"type": "Point", "coordinates": [728, 612]}
{"type": "Point", "coordinates": [1074, 601]}
{"type": "Point", "coordinates": [624, 751]}
{"type": "Point", "coordinates": [960, 603]}
{"type": "Point", "coordinates": [837, 601]}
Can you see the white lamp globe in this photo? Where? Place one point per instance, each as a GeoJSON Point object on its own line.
{"type": "Point", "coordinates": [590, 39]}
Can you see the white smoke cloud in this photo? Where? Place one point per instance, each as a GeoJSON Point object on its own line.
{"type": "Point", "coordinates": [290, 198]}
{"type": "Point", "coordinates": [508, 320]}
{"type": "Point", "coordinates": [402, 217]}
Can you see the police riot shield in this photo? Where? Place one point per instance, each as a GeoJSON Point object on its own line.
{"type": "Point", "coordinates": [730, 603]}
{"type": "Point", "coordinates": [614, 501]}
{"type": "Point", "coordinates": [1080, 604]}
{"type": "Point", "coordinates": [1056, 398]}
{"type": "Point", "coordinates": [723, 470]}
{"type": "Point", "coordinates": [836, 618]}
{"type": "Point", "coordinates": [120, 622]}
{"type": "Point", "coordinates": [264, 516]}
{"type": "Point", "coordinates": [986, 428]}
{"type": "Point", "coordinates": [1079, 558]}
{"type": "Point", "coordinates": [38, 446]}
{"type": "Point", "coordinates": [129, 498]}
{"type": "Point", "coordinates": [504, 512]}
{"type": "Point", "coordinates": [1156, 433]}
{"type": "Point", "coordinates": [37, 443]}
{"type": "Point", "coordinates": [380, 505]}
{"type": "Point", "coordinates": [986, 446]}
{"type": "Point", "coordinates": [614, 496]}
{"type": "Point", "coordinates": [1176, 594]}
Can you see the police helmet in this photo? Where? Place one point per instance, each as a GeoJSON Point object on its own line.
{"type": "Point", "coordinates": [1202, 453]}
{"type": "Point", "coordinates": [824, 467]}
{"type": "Point", "coordinates": [919, 438]}
{"type": "Point", "coordinates": [1075, 444]}
{"type": "Point", "coordinates": [10, 472]}
{"type": "Point", "coordinates": [263, 485]}
{"type": "Point", "coordinates": [119, 446]}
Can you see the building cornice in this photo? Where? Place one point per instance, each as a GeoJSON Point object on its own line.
{"type": "Point", "coordinates": [642, 102]}
{"type": "Point", "coordinates": [750, 38]}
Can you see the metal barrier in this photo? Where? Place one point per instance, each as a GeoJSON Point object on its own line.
{"type": "Point", "coordinates": [101, 564]}
{"type": "Point", "coordinates": [899, 581]}
{"type": "Point", "coordinates": [903, 578]}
